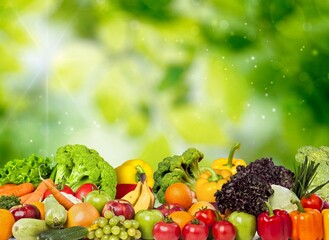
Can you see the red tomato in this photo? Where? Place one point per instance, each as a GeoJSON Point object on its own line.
{"type": "Point", "coordinates": [84, 189]}
{"type": "Point", "coordinates": [166, 230]}
{"type": "Point", "coordinates": [207, 215]}
{"type": "Point", "coordinates": [62, 188]}
{"type": "Point", "coordinates": [312, 201]}
{"type": "Point", "coordinates": [195, 229]}
{"type": "Point", "coordinates": [223, 230]}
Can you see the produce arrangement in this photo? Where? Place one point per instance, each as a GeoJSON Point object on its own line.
{"type": "Point", "coordinates": [79, 195]}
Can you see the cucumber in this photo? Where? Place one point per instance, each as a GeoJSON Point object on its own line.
{"type": "Point", "coordinates": [29, 228]}
{"type": "Point", "coordinates": [70, 233]}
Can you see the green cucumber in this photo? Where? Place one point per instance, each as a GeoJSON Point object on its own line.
{"type": "Point", "coordinates": [70, 233]}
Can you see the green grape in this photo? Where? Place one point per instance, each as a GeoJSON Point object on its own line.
{"type": "Point", "coordinates": [107, 229]}
{"type": "Point", "coordinates": [114, 237]}
{"type": "Point", "coordinates": [113, 221]}
{"type": "Point", "coordinates": [105, 237]}
{"type": "Point", "coordinates": [108, 214]}
{"type": "Point", "coordinates": [91, 234]}
{"type": "Point", "coordinates": [95, 222]}
{"type": "Point", "coordinates": [99, 233]}
{"type": "Point", "coordinates": [138, 234]}
{"type": "Point", "coordinates": [123, 235]}
{"type": "Point", "coordinates": [135, 224]}
{"type": "Point", "coordinates": [127, 224]}
{"type": "Point", "coordinates": [121, 218]}
{"type": "Point", "coordinates": [102, 222]}
{"type": "Point", "coordinates": [131, 232]}
{"type": "Point", "coordinates": [115, 230]}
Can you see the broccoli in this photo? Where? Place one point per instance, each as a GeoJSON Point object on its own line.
{"type": "Point", "coordinates": [184, 168]}
{"type": "Point", "coordinates": [77, 164]}
{"type": "Point", "coordinates": [318, 155]}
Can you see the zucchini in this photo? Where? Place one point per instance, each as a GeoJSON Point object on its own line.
{"type": "Point", "coordinates": [55, 213]}
{"type": "Point", "coordinates": [28, 228]}
{"type": "Point", "coordinates": [70, 233]}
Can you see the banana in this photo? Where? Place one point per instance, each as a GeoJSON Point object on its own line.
{"type": "Point", "coordinates": [134, 195]}
{"type": "Point", "coordinates": [145, 199]}
{"type": "Point", "coordinates": [152, 202]}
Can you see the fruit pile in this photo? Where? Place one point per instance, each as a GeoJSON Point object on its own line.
{"type": "Point", "coordinates": [230, 199]}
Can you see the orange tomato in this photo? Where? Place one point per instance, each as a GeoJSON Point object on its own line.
{"type": "Point", "coordinates": [199, 205]}
{"type": "Point", "coordinates": [7, 221]}
{"type": "Point", "coordinates": [81, 214]}
{"type": "Point", "coordinates": [179, 193]}
{"type": "Point", "coordinates": [181, 218]}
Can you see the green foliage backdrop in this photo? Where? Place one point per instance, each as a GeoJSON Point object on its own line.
{"type": "Point", "coordinates": [147, 79]}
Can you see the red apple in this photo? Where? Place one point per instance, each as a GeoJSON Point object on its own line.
{"type": "Point", "coordinates": [25, 211]}
{"type": "Point", "coordinates": [168, 208]}
{"type": "Point", "coordinates": [84, 189]}
{"type": "Point", "coordinates": [120, 207]}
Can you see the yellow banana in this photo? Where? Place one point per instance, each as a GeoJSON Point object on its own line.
{"type": "Point", "coordinates": [134, 195]}
{"type": "Point", "coordinates": [152, 202]}
{"type": "Point", "coordinates": [145, 200]}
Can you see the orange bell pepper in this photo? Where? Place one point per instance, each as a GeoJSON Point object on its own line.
{"type": "Point", "coordinates": [325, 215]}
{"type": "Point", "coordinates": [307, 223]}
{"type": "Point", "coordinates": [208, 184]}
{"type": "Point", "coordinates": [229, 163]}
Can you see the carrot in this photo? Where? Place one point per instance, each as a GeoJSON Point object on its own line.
{"type": "Point", "coordinates": [64, 201]}
{"type": "Point", "coordinates": [7, 186]}
{"type": "Point", "coordinates": [24, 197]}
{"type": "Point", "coordinates": [18, 190]}
{"type": "Point", "coordinates": [38, 193]}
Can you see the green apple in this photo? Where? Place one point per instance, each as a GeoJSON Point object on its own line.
{"type": "Point", "coordinates": [98, 198]}
{"type": "Point", "coordinates": [245, 225]}
{"type": "Point", "coordinates": [147, 219]}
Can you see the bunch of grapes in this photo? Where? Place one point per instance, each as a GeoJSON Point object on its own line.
{"type": "Point", "coordinates": [112, 227]}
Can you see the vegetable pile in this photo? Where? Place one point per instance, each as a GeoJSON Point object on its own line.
{"type": "Point", "coordinates": [75, 196]}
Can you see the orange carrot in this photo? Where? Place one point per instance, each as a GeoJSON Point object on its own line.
{"type": "Point", "coordinates": [64, 201]}
{"type": "Point", "coordinates": [7, 186]}
{"type": "Point", "coordinates": [24, 197]}
{"type": "Point", "coordinates": [38, 193]}
{"type": "Point", "coordinates": [18, 190]}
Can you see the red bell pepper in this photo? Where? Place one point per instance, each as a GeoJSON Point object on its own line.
{"type": "Point", "coordinates": [274, 224]}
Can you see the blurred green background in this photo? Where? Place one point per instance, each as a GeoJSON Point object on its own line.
{"type": "Point", "coordinates": [148, 79]}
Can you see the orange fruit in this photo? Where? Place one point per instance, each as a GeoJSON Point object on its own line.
{"type": "Point", "coordinates": [7, 221]}
{"type": "Point", "coordinates": [179, 193]}
{"type": "Point", "coordinates": [181, 218]}
{"type": "Point", "coordinates": [81, 214]}
{"type": "Point", "coordinates": [41, 207]}
{"type": "Point", "coordinates": [199, 205]}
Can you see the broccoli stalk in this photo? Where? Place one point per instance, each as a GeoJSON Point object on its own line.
{"type": "Point", "coordinates": [184, 168]}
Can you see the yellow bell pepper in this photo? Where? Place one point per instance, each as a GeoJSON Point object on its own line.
{"type": "Point", "coordinates": [129, 171]}
{"type": "Point", "coordinates": [229, 163]}
{"type": "Point", "coordinates": [207, 184]}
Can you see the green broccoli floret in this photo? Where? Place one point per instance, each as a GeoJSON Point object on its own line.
{"type": "Point", "coordinates": [77, 164]}
{"type": "Point", "coordinates": [184, 168]}
{"type": "Point", "coordinates": [318, 155]}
